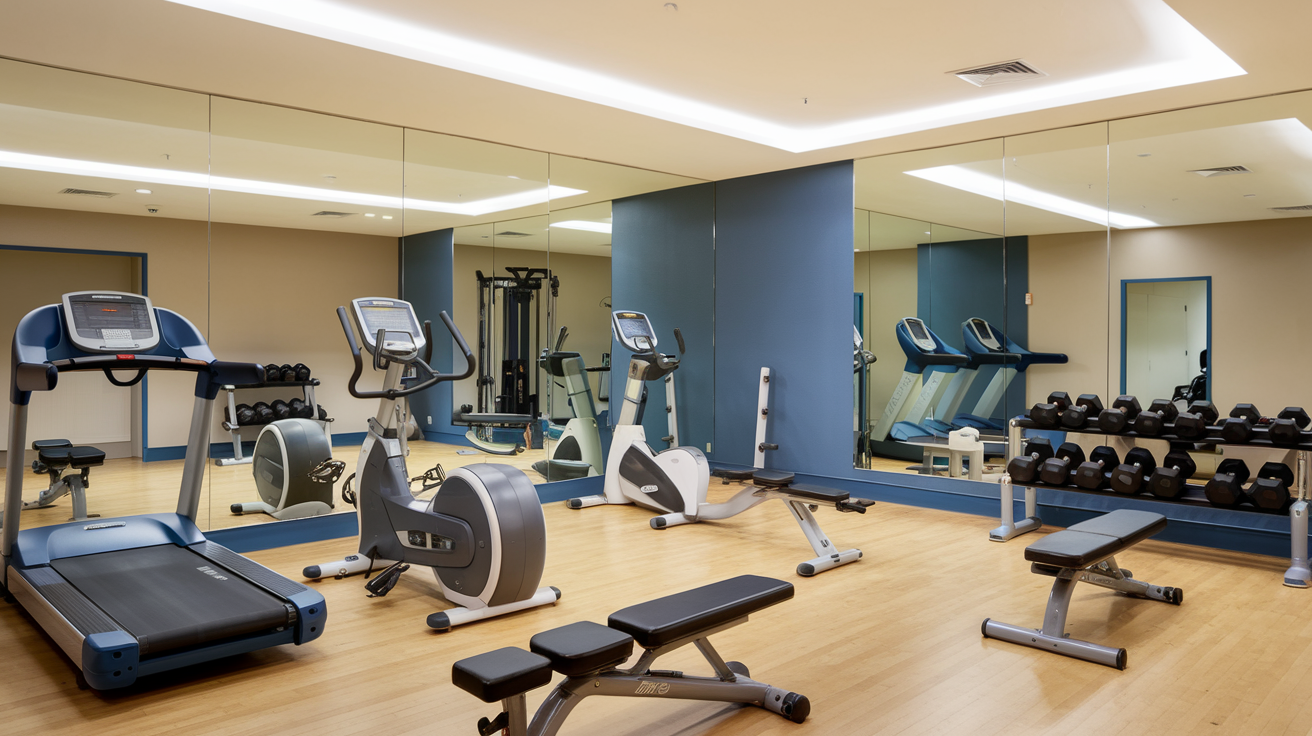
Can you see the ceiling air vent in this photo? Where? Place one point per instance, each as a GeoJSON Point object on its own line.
{"type": "Point", "coordinates": [1000, 73]}
{"type": "Point", "coordinates": [88, 193]}
{"type": "Point", "coordinates": [1296, 208]}
{"type": "Point", "coordinates": [330, 213]}
{"type": "Point", "coordinates": [511, 234]}
{"type": "Point", "coordinates": [1222, 171]}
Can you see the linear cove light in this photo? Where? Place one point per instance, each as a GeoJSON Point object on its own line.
{"type": "Point", "coordinates": [1184, 56]}
{"type": "Point", "coordinates": [960, 177]}
{"type": "Point", "coordinates": [54, 165]}
{"type": "Point", "coordinates": [592, 227]}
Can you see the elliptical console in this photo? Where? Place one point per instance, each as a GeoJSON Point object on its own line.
{"type": "Point", "coordinates": [483, 532]}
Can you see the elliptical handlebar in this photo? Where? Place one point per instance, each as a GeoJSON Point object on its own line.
{"type": "Point", "coordinates": [434, 376]}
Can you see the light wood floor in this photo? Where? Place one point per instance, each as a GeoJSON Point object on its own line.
{"type": "Point", "coordinates": [129, 486]}
{"type": "Point", "coordinates": [888, 645]}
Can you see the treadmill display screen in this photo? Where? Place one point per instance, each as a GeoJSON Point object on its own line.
{"type": "Point", "coordinates": [89, 317]}
{"type": "Point", "coordinates": [917, 329]}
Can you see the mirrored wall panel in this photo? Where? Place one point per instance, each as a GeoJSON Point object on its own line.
{"type": "Point", "coordinates": [103, 186]}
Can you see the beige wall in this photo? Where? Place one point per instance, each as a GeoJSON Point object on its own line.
{"type": "Point", "coordinates": [1261, 334]}
{"type": "Point", "coordinates": [274, 293]}
{"type": "Point", "coordinates": [584, 282]}
{"type": "Point", "coordinates": [888, 278]}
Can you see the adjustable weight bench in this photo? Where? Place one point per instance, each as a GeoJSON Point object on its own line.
{"type": "Point", "coordinates": [590, 656]}
{"type": "Point", "coordinates": [800, 500]}
{"type": "Point", "coordinates": [481, 426]}
{"type": "Point", "coordinates": [53, 458]}
{"type": "Point", "coordinates": [1085, 552]}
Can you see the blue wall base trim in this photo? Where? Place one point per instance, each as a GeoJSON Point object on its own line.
{"type": "Point", "coordinates": [564, 489]}
{"type": "Point", "coordinates": [224, 449]}
{"type": "Point", "coordinates": [284, 533]}
{"type": "Point", "coordinates": [449, 438]}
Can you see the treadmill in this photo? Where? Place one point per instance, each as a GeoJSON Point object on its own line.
{"type": "Point", "coordinates": [136, 595]}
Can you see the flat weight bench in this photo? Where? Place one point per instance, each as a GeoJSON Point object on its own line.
{"type": "Point", "coordinates": [53, 458]}
{"type": "Point", "coordinates": [589, 656]}
{"type": "Point", "coordinates": [1085, 552]}
{"type": "Point", "coordinates": [482, 424]}
{"type": "Point", "coordinates": [800, 500]}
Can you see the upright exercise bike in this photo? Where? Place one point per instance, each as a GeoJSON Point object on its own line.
{"type": "Point", "coordinates": [482, 533]}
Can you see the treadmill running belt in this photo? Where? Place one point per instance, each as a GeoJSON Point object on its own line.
{"type": "Point", "coordinates": [172, 598]}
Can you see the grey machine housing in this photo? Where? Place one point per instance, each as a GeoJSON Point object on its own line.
{"type": "Point", "coordinates": [285, 453]}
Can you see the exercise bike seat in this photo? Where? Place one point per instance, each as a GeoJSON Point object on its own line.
{"type": "Point", "coordinates": [77, 457]}
{"type": "Point", "coordinates": [581, 648]}
{"type": "Point", "coordinates": [772, 478]}
{"type": "Point", "coordinates": [685, 615]}
{"type": "Point", "coordinates": [500, 674]}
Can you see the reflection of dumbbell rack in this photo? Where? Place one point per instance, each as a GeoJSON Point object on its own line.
{"type": "Point", "coordinates": [232, 427]}
{"type": "Point", "coordinates": [1299, 574]}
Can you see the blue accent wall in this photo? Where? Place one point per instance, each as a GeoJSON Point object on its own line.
{"type": "Point", "coordinates": [663, 264]}
{"type": "Point", "coordinates": [427, 270]}
{"type": "Point", "coordinates": [963, 279]}
{"type": "Point", "coordinates": [783, 285]}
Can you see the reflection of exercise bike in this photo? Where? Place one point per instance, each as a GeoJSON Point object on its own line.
{"type": "Point", "coordinates": [575, 445]}
{"type": "Point", "coordinates": [294, 471]}
{"type": "Point", "coordinates": [674, 481]}
{"type": "Point", "coordinates": [482, 533]}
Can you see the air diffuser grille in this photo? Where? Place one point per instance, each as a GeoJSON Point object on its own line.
{"type": "Point", "coordinates": [330, 213]}
{"type": "Point", "coordinates": [1000, 73]}
{"type": "Point", "coordinates": [88, 193]}
{"type": "Point", "coordinates": [1222, 171]}
{"type": "Point", "coordinates": [511, 234]}
{"type": "Point", "coordinates": [1296, 208]}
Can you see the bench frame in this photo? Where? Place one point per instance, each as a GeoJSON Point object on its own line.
{"type": "Point", "coordinates": [1053, 637]}
{"type": "Point", "coordinates": [73, 485]}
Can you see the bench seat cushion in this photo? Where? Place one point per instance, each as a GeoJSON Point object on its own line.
{"type": "Point", "coordinates": [816, 493]}
{"type": "Point", "coordinates": [666, 620]}
{"type": "Point", "coordinates": [772, 478]}
{"type": "Point", "coordinates": [500, 674]}
{"type": "Point", "coordinates": [582, 648]}
{"type": "Point", "coordinates": [78, 457]}
{"type": "Point", "coordinates": [1093, 541]}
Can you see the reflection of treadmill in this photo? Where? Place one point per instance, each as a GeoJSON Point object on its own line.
{"type": "Point", "coordinates": [986, 345]}
{"type": "Point", "coordinates": [928, 358]}
{"type": "Point", "coordinates": [136, 595]}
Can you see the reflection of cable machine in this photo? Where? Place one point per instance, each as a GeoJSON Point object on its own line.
{"type": "Point", "coordinates": [504, 384]}
{"type": "Point", "coordinates": [861, 362]}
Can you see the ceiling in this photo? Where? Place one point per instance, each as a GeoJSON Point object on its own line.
{"type": "Point", "coordinates": [804, 67]}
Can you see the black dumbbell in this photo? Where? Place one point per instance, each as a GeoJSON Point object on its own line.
{"type": "Point", "coordinates": [1193, 422]}
{"type": "Point", "coordinates": [323, 414]}
{"type": "Point", "coordinates": [1169, 479]}
{"type": "Point", "coordinates": [1124, 410]}
{"type": "Point", "coordinates": [1087, 407]}
{"type": "Point", "coordinates": [1270, 492]}
{"type": "Point", "coordinates": [1226, 488]}
{"type": "Point", "coordinates": [300, 409]}
{"type": "Point", "coordinates": [1237, 428]}
{"type": "Point", "coordinates": [1096, 474]}
{"type": "Point", "coordinates": [1049, 414]}
{"type": "Point", "coordinates": [1025, 468]}
{"type": "Point", "coordinates": [1057, 471]}
{"type": "Point", "coordinates": [245, 415]}
{"type": "Point", "coordinates": [1128, 477]}
{"type": "Point", "coordinates": [272, 373]}
{"type": "Point", "coordinates": [263, 413]}
{"type": "Point", "coordinates": [302, 371]}
{"type": "Point", "coordinates": [281, 410]}
{"type": "Point", "coordinates": [1158, 414]}
{"type": "Point", "coordinates": [288, 372]}
{"type": "Point", "coordinates": [1286, 428]}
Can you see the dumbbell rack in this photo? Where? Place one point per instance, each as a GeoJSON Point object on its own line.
{"type": "Point", "coordinates": [307, 388]}
{"type": "Point", "coordinates": [1299, 574]}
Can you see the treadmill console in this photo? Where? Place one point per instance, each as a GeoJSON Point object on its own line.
{"type": "Point", "coordinates": [110, 322]}
{"type": "Point", "coordinates": [634, 331]}
{"type": "Point", "coordinates": [403, 338]}
{"type": "Point", "coordinates": [982, 332]}
{"type": "Point", "coordinates": [919, 334]}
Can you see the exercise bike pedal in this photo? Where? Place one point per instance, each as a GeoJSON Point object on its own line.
{"type": "Point", "coordinates": [386, 580]}
{"type": "Point", "coordinates": [496, 725]}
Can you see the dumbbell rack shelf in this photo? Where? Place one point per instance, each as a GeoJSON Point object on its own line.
{"type": "Point", "coordinates": [1299, 574]}
{"type": "Point", "coordinates": [238, 458]}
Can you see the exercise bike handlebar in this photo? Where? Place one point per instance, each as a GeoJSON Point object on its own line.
{"type": "Point", "coordinates": [435, 377]}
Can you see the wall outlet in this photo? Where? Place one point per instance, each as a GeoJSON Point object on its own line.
{"type": "Point", "coordinates": [708, 447]}
{"type": "Point", "coordinates": [430, 420]}
{"type": "Point", "coordinates": [1029, 299]}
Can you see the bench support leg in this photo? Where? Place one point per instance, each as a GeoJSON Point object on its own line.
{"type": "Point", "coordinates": [1052, 636]}
{"type": "Point", "coordinates": [1010, 528]}
{"type": "Point", "coordinates": [1299, 574]}
{"type": "Point", "coordinates": [827, 557]}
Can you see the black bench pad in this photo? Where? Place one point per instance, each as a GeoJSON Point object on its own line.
{"type": "Point", "coordinates": [666, 620]}
{"type": "Point", "coordinates": [48, 444]}
{"type": "Point", "coordinates": [772, 478]}
{"type": "Point", "coordinates": [583, 647]}
{"type": "Point", "coordinates": [500, 420]}
{"type": "Point", "coordinates": [501, 674]}
{"type": "Point", "coordinates": [1092, 541]}
{"type": "Point", "coordinates": [78, 457]}
{"type": "Point", "coordinates": [816, 493]}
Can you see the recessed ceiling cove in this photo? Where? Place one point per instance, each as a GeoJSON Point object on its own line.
{"type": "Point", "coordinates": [793, 76]}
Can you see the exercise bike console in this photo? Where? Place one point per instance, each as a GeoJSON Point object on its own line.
{"type": "Point", "coordinates": [390, 332]}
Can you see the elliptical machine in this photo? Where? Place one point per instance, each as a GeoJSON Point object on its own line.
{"type": "Point", "coordinates": [482, 533]}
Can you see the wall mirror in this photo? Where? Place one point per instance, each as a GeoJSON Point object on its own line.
{"type": "Point", "coordinates": [104, 185]}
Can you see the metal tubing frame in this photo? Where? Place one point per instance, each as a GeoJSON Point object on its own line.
{"type": "Point", "coordinates": [1010, 528]}
{"type": "Point", "coordinates": [15, 460]}
{"type": "Point", "coordinates": [198, 452]}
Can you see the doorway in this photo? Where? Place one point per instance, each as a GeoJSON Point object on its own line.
{"type": "Point", "coordinates": [1166, 336]}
